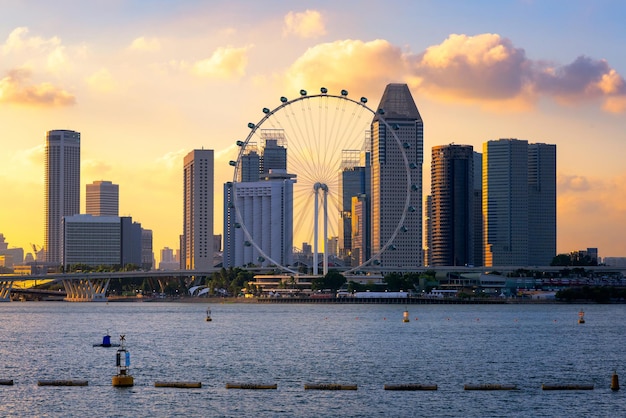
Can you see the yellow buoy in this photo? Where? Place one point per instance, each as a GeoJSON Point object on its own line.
{"type": "Point", "coordinates": [405, 317]}
{"type": "Point", "coordinates": [581, 317]}
{"type": "Point", "coordinates": [123, 377]}
{"type": "Point", "coordinates": [208, 314]}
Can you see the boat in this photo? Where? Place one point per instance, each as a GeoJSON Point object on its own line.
{"type": "Point", "coordinates": [208, 314]}
{"type": "Point", "coordinates": [106, 342]}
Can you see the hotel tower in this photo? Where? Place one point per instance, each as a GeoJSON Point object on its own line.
{"type": "Point", "coordinates": [62, 194]}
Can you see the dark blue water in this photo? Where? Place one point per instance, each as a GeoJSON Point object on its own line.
{"type": "Point", "coordinates": [292, 345]}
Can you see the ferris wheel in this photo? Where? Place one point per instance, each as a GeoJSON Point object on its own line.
{"type": "Point", "coordinates": [306, 143]}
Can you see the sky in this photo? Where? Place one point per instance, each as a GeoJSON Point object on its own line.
{"type": "Point", "coordinates": [145, 82]}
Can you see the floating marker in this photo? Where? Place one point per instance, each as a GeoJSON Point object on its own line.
{"type": "Point", "coordinates": [410, 386]}
{"type": "Point", "coordinates": [6, 382]}
{"type": "Point", "coordinates": [615, 382]}
{"type": "Point", "coordinates": [182, 385]}
{"type": "Point", "coordinates": [329, 386]}
{"type": "Point", "coordinates": [62, 383]}
{"type": "Point", "coordinates": [567, 387]}
{"type": "Point", "coordinates": [490, 387]}
{"type": "Point", "coordinates": [251, 386]}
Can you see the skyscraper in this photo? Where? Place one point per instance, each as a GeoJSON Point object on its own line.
{"type": "Point", "coordinates": [505, 202]}
{"type": "Point", "coordinates": [266, 209]}
{"type": "Point", "coordinates": [62, 194]}
{"type": "Point", "coordinates": [103, 199]}
{"type": "Point", "coordinates": [541, 204]}
{"type": "Point", "coordinates": [274, 152]}
{"type": "Point", "coordinates": [519, 203]}
{"type": "Point", "coordinates": [389, 188]}
{"type": "Point", "coordinates": [452, 211]}
{"type": "Point", "coordinates": [197, 242]}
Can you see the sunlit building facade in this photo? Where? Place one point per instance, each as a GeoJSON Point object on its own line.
{"type": "Point", "coordinates": [102, 199]}
{"type": "Point", "coordinates": [62, 187]}
{"type": "Point", "coordinates": [389, 186]}
{"type": "Point", "coordinates": [198, 197]}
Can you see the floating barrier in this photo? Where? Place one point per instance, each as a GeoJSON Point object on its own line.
{"type": "Point", "coordinates": [251, 386]}
{"type": "Point", "coordinates": [567, 387]}
{"type": "Point", "coordinates": [490, 387]}
{"type": "Point", "coordinates": [6, 382]}
{"type": "Point", "coordinates": [615, 382]}
{"type": "Point", "coordinates": [182, 385]}
{"type": "Point", "coordinates": [410, 386]}
{"type": "Point", "coordinates": [329, 386]}
{"type": "Point", "coordinates": [62, 383]}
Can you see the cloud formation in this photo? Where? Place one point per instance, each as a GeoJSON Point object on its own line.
{"type": "Point", "coordinates": [16, 88]}
{"type": "Point", "coordinates": [225, 63]}
{"type": "Point", "coordinates": [348, 64]}
{"type": "Point", "coordinates": [485, 69]}
{"type": "Point", "coordinates": [145, 44]}
{"type": "Point", "coordinates": [307, 24]}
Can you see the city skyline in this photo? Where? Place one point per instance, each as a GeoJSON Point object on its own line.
{"type": "Point", "coordinates": [188, 75]}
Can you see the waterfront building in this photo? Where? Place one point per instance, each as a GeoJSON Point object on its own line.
{"type": "Point", "coordinates": [428, 228]}
{"type": "Point", "coordinates": [102, 199]}
{"type": "Point", "coordinates": [147, 254]}
{"type": "Point", "coordinates": [62, 187]}
{"type": "Point", "coordinates": [360, 240]}
{"type": "Point", "coordinates": [197, 240]}
{"type": "Point", "coordinates": [91, 240]}
{"type": "Point", "coordinates": [542, 204]}
{"type": "Point", "coordinates": [452, 206]}
{"type": "Point", "coordinates": [519, 203]}
{"type": "Point", "coordinates": [389, 188]}
{"type": "Point", "coordinates": [478, 213]}
{"type": "Point", "coordinates": [250, 164]}
{"type": "Point", "coordinates": [168, 260]}
{"type": "Point", "coordinates": [266, 210]}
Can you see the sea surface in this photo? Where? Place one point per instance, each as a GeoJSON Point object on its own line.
{"type": "Point", "coordinates": [296, 344]}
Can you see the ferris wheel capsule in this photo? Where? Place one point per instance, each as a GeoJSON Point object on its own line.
{"type": "Point", "coordinates": [251, 125]}
{"type": "Point", "coordinates": [413, 187]}
{"type": "Point", "coordinates": [232, 163]}
{"type": "Point", "coordinates": [411, 208]}
{"type": "Point", "coordinates": [266, 110]}
{"type": "Point", "coordinates": [324, 90]}
{"type": "Point", "coordinates": [381, 111]}
{"type": "Point", "coordinates": [344, 92]}
{"type": "Point", "coordinates": [363, 99]}
{"type": "Point", "coordinates": [404, 228]}
{"type": "Point", "coordinates": [240, 143]}
{"type": "Point", "coordinates": [413, 165]}
{"type": "Point", "coordinates": [406, 145]}
{"type": "Point", "coordinates": [284, 99]}
{"type": "Point", "coordinates": [302, 92]}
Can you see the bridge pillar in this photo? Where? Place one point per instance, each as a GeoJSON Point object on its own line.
{"type": "Point", "coordinates": [5, 290]}
{"type": "Point", "coordinates": [86, 290]}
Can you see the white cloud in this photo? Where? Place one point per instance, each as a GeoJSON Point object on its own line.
{"type": "Point", "coordinates": [307, 24]}
{"type": "Point", "coordinates": [225, 63]}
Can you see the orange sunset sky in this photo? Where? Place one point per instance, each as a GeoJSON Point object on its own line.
{"type": "Point", "coordinates": [146, 82]}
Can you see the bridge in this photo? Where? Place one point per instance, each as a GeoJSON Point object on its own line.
{"type": "Point", "coordinates": [92, 287]}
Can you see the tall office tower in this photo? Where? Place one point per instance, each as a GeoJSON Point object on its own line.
{"type": "Point", "coordinates": [389, 189]}
{"type": "Point", "coordinates": [505, 202]}
{"type": "Point", "coordinates": [354, 180]}
{"type": "Point", "coordinates": [541, 204]}
{"type": "Point", "coordinates": [103, 199]}
{"type": "Point", "coordinates": [478, 212]}
{"type": "Point", "coordinates": [250, 164]}
{"type": "Point", "coordinates": [452, 205]}
{"type": "Point", "coordinates": [428, 230]}
{"type": "Point", "coordinates": [266, 209]}
{"type": "Point", "coordinates": [62, 195]}
{"type": "Point", "coordinates": [274, 152]}
{"type": "Point", "coordinates": [360, 236]}
{"type": "Point", "coordinates": [147, 254]}
{"type": "Point", "coordinates": [197, 242]}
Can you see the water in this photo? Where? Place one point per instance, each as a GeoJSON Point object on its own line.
{"type": "Point", "coordinates": [291, 345]}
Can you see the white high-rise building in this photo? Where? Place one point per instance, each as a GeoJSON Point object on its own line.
{"type": "Point", "coordinates": [389, 187]}
{"type": "Point", "coordinates": [197, 241]}
{"type": "Point", "coordinates": [62, 193]}
{"type": "Point", "coordinates": [266, 209]}
{"type": "Point", "coordinates": [103, 199]}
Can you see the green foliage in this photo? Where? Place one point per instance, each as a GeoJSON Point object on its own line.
{"type": "Point", "coordinates": [598, 294]}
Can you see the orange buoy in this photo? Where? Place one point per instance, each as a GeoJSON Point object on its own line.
{"type": "Point", "coordinates": [615, 382]}
{"type": "Point", "coordinates": [405, 316]}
